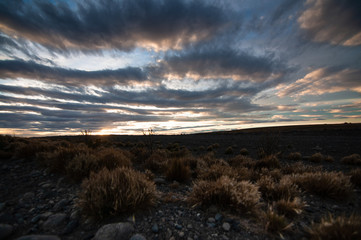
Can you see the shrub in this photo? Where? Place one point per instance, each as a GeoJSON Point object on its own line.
{"type": "Point", "coordinates": [216, 171]}
{"type": "Point", "coordinates": [276, 223]}
{"type": "Point", "coordinates": [114, 192]}
{"type": "Point", "coordinates": [244, 152]}
{"type": "Point", "coordinates": [269, 161]}
{"type": "Point", "coordinates": [299, 168]}
{"type": "Point", "coordinates": [178, 170]}
{"type": "Point", "coordinates": [113, 158]}
{"type": "Point", "coordinates": [81, 165]}
{"type": "Point", "coordinates": [229, 151]}
{"type": "Point", "coordinates": [317, 158]}
{"type": "Point", "coordinates": [329, 158]}
{"type": "Point", "coordinates": [243, 196]}
{"type": "Point", "coordinates": [289, 207]}
{"type": "Point", "coordinates": [356, 177]}
{"type": "Point", "coordinates": [242, 161]}
{"type": "Point", "coordinates": [339, 228]}
{"type": "Point", "coordinates": [157, 161]}
{"type": "Point", "coordinates": [268, 144]}
{"type": "Point", "coordinates": [273, 191]}
{"type": "Point", "coordinates": [353, 159]}
{"type": "Point", "coordinates": [294, 156]}
{"type": "Point", "coordinates": [212, 147]}
{"type": "Point", "coordinates": [334, 185]}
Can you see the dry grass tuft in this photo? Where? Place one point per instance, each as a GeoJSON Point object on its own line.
{"type": "Point", "coordinates": [244, 152]}
{"type": "Point", "coordinates": [178, 170]}
{"type": "Point", "coordinates": [294, 156]}
{"type": "Point", "coordinates": [289, 208]}
{"type": "Point", "coordinates": [334, 185]}
{"type": "Point", "coordinates": [226, 192]}
{"type": "Point", "coordinates": [242, 161]}
{"type": "Point", "coordinates": [356, 177]}
{"type": "Point", "coordinates": [81, 165]}
{"type": "Point", "coordinates": [229, 150]}
{"type": "Point", "coordinates": [269, 161]}
{"type": "Point", "coordinates": [339, 228]}
{"type": "Point", "coordinates": [117, 191]}
{"type": "Point", "coordinates": [276, 223]}
{"type": "Point", "coordinates": [273, 191]}
{"type": "Point", "coordinates": [317, 158]}
{"type": "Point", "coordinates": [299, 168]}
{"type": "Point", "coordinates": [157, 161]}
{"type": "Point", "coordinates": [353, 159]}
{"type": "Point", "coordinates": [216, 171]}
{"type": "Point", "coordinates": [112, 158]}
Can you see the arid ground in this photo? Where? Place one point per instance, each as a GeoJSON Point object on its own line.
{"type": "Point", "coordinates": [291, 182]}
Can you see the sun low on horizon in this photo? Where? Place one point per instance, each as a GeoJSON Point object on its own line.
{"type": "Point", "coordinates": [177, 66]}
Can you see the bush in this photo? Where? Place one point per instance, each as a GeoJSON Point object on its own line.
{"type": "Point", "coordinates": [229, 151]}
{"type": "Point", "coordinates": [276, 223]}
{"type": "Point", "coordinates": [113, 158]}
{"type": "Point", "coordinates": [178, 170]}
{"type": "Point", "coordinates": [356, 177]}
{"type": "Point", "coordinates": [269, 161]}
{"type": "Point", "coordinates": [157, 161]}
{"type": "Point", "coordinates": [115, 192]}
{"type": "Point", "coordinates": [242, 161]}
{"type": "Point", "coordinates": [226, 192]}
{"type": "Point", "coordinates": [353, 159]}
{"type": "Point", "coordinates": [339, 228]}
{"type": "Point", "coordinates": [299, 168]}
{"type": "Point", "coordinates": [216, 171]}
{"type": "Point", "coordinates": [81, 165]}
{"type": "Point", "coordinates": [317, 158]}
{"type": "Point", "coordinates": [274, 191]}
{"type": "Point", "coordinates": [244, 152]}
{"type": "Point", "coordinates": [289, 207]}
{"type": "Point", "coordinates": [294, 156]}
{"type": "Point", "coordinates": [334, 185]}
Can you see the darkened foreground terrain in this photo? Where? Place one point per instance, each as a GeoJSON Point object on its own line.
{"type": "Point", "coordinates": [291, 182]}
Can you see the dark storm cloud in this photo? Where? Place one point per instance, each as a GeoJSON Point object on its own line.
{"type": "Point", "coordinates": [223, 63]}
{"type": "Point", "coordinates": [32, 70]}
{"type": "Point", "coordinates": [123, 24]}
{"type": "Point", "coordinates": [333, 21]}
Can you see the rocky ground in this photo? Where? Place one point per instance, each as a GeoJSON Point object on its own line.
{"type": "Point", "coordinates": [36, 204]}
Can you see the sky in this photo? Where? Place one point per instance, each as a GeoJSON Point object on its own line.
{"type": "Point", "coordinates": [177, 66]}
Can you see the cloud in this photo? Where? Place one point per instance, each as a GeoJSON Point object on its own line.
{"type": "Point", "coordinates": [123, 24]}
{"type": "Point", "coordinates": [323, 80]}
{"type": "Point", "coordinates": [27, 69]}
{"type": "Point", "coordinates": [213, 63]}
{"type": "Point", "coordinates": [332, 21]}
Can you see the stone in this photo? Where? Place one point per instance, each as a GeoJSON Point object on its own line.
{"type": "Point", "coordinates": [35, 219]}
{"type": "Point", "coordinates": [218, 217]}
{"type": "Point", "coordinates": [60, 205]}
{"type": "Point", "coordinates": [181, 234]}
{"type": "Point", "coordinates": [137, 237]}
{"type": "Point", "coordinates": [226, 226]}
{"type": "Point", "coordinates": [39, 237]}
{"type": "Point", "coordinates": [71, 226]}
{"type": "Point", "coordinates": [211, 220]}
{"type": "Point", "coordinates": [5, 230]}
{"type": "Point", "coordinates": [160, 181]}
{"type": "Point", "coordinates": [178, 226]}
{"type": "Point", "coordinates": [45, 215]}
{"type": "Point", "coordinates": [114, 231]}
{"type": "Point", "coordinates": [155, 228]}
{"type": "Point", "coordinates": [54, 221]}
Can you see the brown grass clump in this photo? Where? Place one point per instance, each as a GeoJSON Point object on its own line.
{"type": "Point", "coordinates": [353, 159]}
{"type": "Point", "coordinates": [299, 168]}
{"type": "Point", "coordinates": [242, 161]}
{"type": "Point", "coordinates": [334, 185]}
{"type": "Point", "coordinates": [81, 165]}
{"type": "Point", "coordinates": [178, 170]}
{"type": "Point", "coordinates": [244, 152]}
{"type": "Point", "coordinates": [276, 223]}
{"type": "Point", "coordinates": [269, 161]}
{"type": "Point", "coordinates": [356, 177]}
{"type": "Point", "coordinates": [294, 156]}
{"type": "Point", "coordinates": [329, 158]}
{"type": "Point", "coordinates": [317, 158]}
{"type": "Point", "coordinates": [289, 208]}
{"type": "Point", "coordinates": [216, 171]}
{"type": "Point", "coordinates": [117, 191]}
{"type": "Point", "coordinates": [157, 161]}
{"type": "Point", "coordinates": [274, 191]}
{"type": "Point", "coordinates": [229, 151]}
{"type": "Point", "coordinates": [339, 228]}
{"type": "Point", "coordinates": [226, 192]}
{"type": "Point", "coordinates": [112, 158]}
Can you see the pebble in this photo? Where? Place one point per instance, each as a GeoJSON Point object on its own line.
{"type": "Point", "coordinates": [54, 221]}
{"type": "Point", "coordinates": [137, 237]}
{"type": "Point", "coordinates": [178, 226]}
{"type": "Point", "coordinates": [114, 231]}
{"type": "Point", "coordinates": [71, 226]}
{"type": "Point", "coordinates": [60, 205]}
{"type": "Point", "coordinates": [5, 230]}
{"type": "Point", "coordinates": [211, 220]}
{"type": "Point", "coordinates": [226, 226]}
{"type": "Point", "coordinates": [218, 217]}
{"type": "Point", "coordinates": [155, 228]}
{"type": "Point", "coordinates": [181, 234]}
